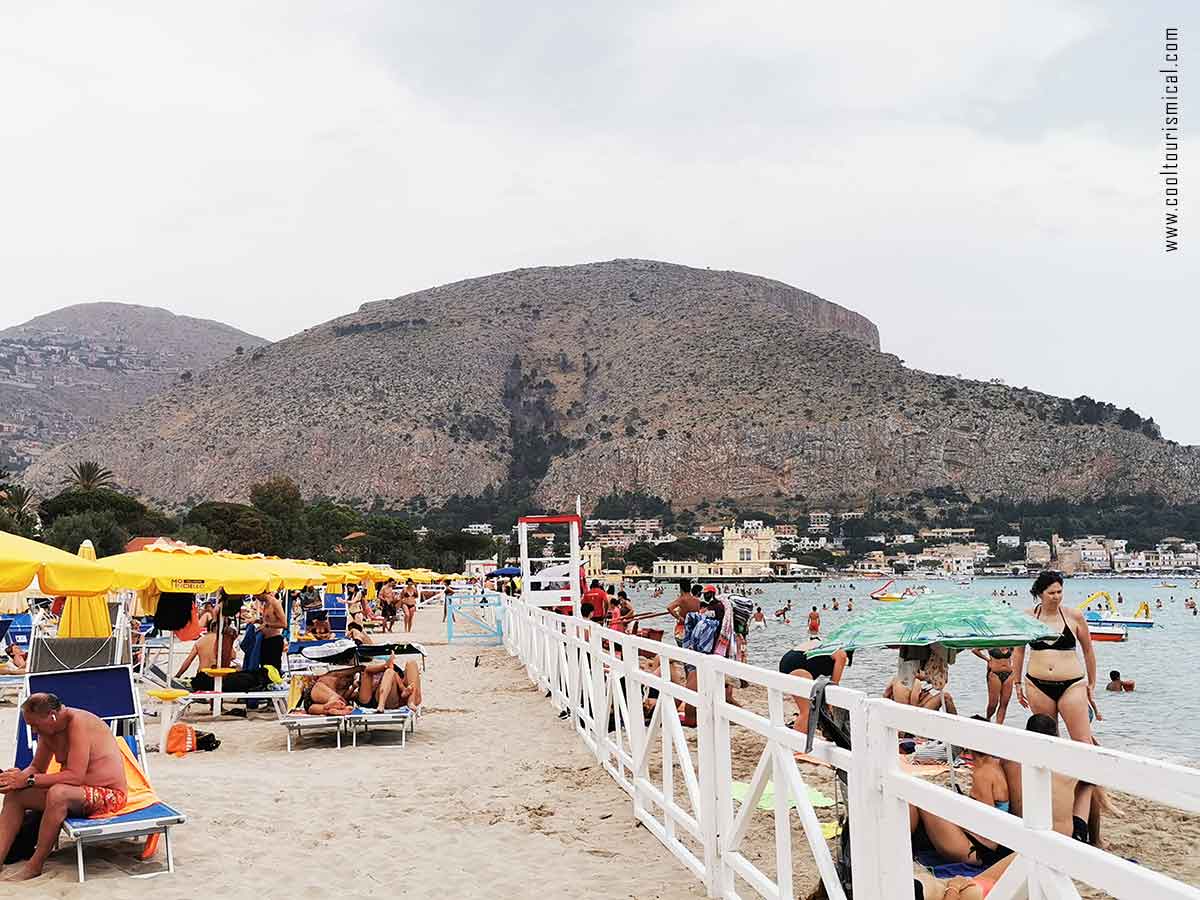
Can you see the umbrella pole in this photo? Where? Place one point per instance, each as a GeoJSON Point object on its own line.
{"type": "Point", "coordinates": [170, 660]}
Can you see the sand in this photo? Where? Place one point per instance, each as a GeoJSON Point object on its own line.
{"type": "Point", "coordinates": [494, 796]}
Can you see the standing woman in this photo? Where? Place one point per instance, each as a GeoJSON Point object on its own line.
{"type": "Point", "coordinates": [999, 680]}
{"type": "Point", "coordinates": [408, 603]}
{"type": "Point", "coordinates": [1059, 683]}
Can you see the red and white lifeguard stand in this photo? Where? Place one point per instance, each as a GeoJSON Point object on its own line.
{"type": "Point", "coordinates": [558, 579]}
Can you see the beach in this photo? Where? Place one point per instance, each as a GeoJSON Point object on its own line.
{"type": "Point", "coordinates": [494, 796]}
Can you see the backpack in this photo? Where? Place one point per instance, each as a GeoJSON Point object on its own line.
{"type": "Point", "coordinates": [25, 842]}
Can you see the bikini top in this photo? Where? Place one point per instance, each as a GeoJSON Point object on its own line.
{"type": "Point", "coordinates": [1065, 641]}
{"type": "Point", "coordinates": [1000, 652]}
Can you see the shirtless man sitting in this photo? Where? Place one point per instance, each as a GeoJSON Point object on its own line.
{"type": "Point", "coordinates": [205, 651]}
{"type": "Point", "coordinates": [91, 781]}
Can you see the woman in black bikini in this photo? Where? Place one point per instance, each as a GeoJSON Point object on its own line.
{"type": "Point", "coordinates": [1059, 684]}
{"type": "Point", "coordinates": [999, 680]}
{"type": "Point", "coordinates": [797, 662]}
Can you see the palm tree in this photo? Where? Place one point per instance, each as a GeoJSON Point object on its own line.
{"type": "Point", "coordinates": [21, 503]}
{"type": "Point", "coordinates": [88, 475]}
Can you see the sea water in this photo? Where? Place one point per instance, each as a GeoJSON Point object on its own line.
{"type": "Point", "coordinates": [1159, 719]}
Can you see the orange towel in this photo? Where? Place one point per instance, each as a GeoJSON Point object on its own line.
{"type": "Point", "coordinates": [139, 792]}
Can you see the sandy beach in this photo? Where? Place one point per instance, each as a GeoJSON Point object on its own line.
{"type": "Point", "coordinates": [494, 796]}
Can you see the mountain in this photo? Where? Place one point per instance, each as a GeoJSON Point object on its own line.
{"type": "Point", "coordinates": [70, 370]}
{"type": "Point", "coordinates": [684, 383]}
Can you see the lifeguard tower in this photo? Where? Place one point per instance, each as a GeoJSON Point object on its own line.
{"type": "Point", "coordinates": [557, 579]}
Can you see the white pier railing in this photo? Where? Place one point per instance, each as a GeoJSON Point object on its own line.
{"type": "Point", "coordinates": [681, 784]}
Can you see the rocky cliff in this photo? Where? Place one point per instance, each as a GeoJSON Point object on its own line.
{"type": "Point", "coordinates": [70, 370]}
{"type": "Point", "coordinates": [686, 383]}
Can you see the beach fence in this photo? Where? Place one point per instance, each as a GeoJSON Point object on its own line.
{"type": "Point", "coordinates": [476, 616]}
{"type": "Point", "coordinates": [681, 782]}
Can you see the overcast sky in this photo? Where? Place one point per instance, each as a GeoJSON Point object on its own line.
{"type": "Point", "coordinates": [978, 179]}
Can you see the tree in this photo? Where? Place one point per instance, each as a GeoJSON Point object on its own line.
{"type": "Point", "coordinates": [101, 528]}
{"type": "Point", "coordinates": [234, 526]}
{"type": "Point", "coordinates": [131, 514]}
{"type": "Point", "coordinates": [279, 499]}
{"type": "Point", "coordinates": [328, 522]}
{"type": "Point", "coordinates": [21, 506]}
{"type": "Point", "coordinates": [88, 475]}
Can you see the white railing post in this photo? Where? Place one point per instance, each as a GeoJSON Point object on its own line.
{"type": "Point", "coordinates": [599, 696]}
{"type": "Point", "coordinates": [863, 796]}
{"type": "Point", "coordinates": [711, 686]}
{"type": "Point", "coordinates": [1037, 811]}
{"type": "Point", "coordinates": [893, 850]}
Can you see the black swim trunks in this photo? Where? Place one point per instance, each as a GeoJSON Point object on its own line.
{"type": "Point", "coordinates": [815, 665]}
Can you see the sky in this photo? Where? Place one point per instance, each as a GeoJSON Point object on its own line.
{"type": "Point", "coordinates": [980, 180]}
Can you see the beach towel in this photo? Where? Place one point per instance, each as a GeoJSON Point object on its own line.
{"type": "Point", "coordinates": [741, 790]}
{"type": "Point", "coordinates": [907, 767]}
{"type": "Point", "coordinates": [724, 643]}
{"type": "Point", "coordinates": [251, 648]}
{"type": "Point", "coordinates": [139, 792]}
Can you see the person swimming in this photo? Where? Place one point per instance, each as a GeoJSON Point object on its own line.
{"type": "Point", "coordinates": [1117, 684]}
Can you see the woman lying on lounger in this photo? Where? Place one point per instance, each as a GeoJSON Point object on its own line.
{"type": "Point", "coordinates": [383, 686]}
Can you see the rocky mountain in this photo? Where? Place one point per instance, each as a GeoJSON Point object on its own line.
{"type": "Point", "coordinates": [685, 383]}
{"type": "Point", "coordinates": [70, 370]}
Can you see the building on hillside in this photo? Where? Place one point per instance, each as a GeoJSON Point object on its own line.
{"type": "Point", "coordinates": [478, 528]}
{"type": "Point", "coordinates": [806, 544]}
{"type": "Point", "coordinates": [786, 531]}
{"type": "Point", "coordinates": [946, 533]}
{"type": "Point", "coordinates": [1037, 553]}
{"type": "Point", "coordinates": [876, 538]}
{"type": "Point", "coordinates": [904, 539]}
{"type": "Point", "coordinates": [1008, 540]}
{"type": "Point", "coordinates": [1068, 560]}
{"type": "Point", "coordinates": [752, 525]}
{"type": "Point", "coordinates": [421, 533]}
{"type": "Point", "coordinates": [847, 516]}
{"type": "Point", "coordinates": [708, 532]}
{"type": "Point", "coordinates": [819, 522]}
{"type": "Point", "coordinates": [591, 555]}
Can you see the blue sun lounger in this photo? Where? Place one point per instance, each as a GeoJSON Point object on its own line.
{"type": "Point", "coordinates": [108, 693]}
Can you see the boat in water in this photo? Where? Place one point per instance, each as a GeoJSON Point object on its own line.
{"type": "Point", "coordinates": [1140, 619]}
{"type": "Point", "coordinates": [1108, 632]}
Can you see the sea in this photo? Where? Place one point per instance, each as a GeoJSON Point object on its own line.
{"type": "Point", "coordinates": [1160, 719]}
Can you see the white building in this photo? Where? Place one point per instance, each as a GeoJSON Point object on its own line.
{"type": "Point", "coordinates": [478, 528]}
{"type": "Point", "coordinates": [819, 522]}
{"type": "Point", "coordinates": [1008, 540]}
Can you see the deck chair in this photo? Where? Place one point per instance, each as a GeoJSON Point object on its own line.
{"type": "Point", "coordinates": [65, 654]}
{"type": "Point", "coordinates": [109, 693]}
{"type": "Point", "coordinates": [296, 721]}
{"type": "Point", "coordinates": [362, 719]}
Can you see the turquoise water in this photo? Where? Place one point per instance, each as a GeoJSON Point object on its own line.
{"type": "Point", "coordinates": [1159, 719]}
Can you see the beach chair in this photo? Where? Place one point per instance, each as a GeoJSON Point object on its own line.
{"type": "Point", "coordinates": [109, 693]}
{"type": "Point", "coordinates": [362, 719]}
{"type": "Point", "coordinates": [296, 723]}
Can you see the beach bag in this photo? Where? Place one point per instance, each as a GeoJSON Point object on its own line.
{"type": "Point", "coordinates": [183, 739]}
{"type": "Point", "coordinates": [25, 842]}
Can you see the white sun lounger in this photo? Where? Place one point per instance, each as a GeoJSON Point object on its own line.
{"type": "Point", "coordinates": [362, 719]}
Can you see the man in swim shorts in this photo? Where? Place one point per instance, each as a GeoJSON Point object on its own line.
{"type": "Point", "coordinates": [91, 781]}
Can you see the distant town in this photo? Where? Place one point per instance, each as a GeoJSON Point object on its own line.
{"type": "Point", "coordinates": [750, 549]}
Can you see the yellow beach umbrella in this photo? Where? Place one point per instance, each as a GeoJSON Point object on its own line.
{"type": "Point", "coordinates": [57, 572]}
{"type": "Point", "coordinates": [174, 566]}
{"type": "Point", "coordinates": [85, 616]}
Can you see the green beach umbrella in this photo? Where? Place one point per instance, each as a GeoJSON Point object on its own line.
{"type": "Point", "coordinates": [956, 622]}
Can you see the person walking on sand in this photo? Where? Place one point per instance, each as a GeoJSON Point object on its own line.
{"type": "Point", "coordinates": [408, 603]}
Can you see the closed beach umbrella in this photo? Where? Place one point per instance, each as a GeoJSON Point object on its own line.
{"type": "Point", "coordinates": [57, 572]}
{"type": "Point", "coordinates": [955, 622]}
{"type": "Point", "coordinates": [85, 616]}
